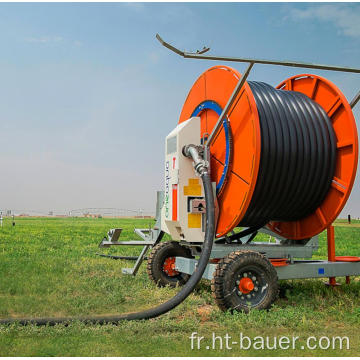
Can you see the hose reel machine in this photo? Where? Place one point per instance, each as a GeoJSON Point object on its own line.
{"type": "Point", "coordinates": [281, 161]}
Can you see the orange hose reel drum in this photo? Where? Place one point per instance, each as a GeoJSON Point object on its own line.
{"type": "Point", "coordinates": [216, 85]}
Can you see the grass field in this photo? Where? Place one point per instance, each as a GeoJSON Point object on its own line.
{"type": "Point", "coordinates": [48, 267]}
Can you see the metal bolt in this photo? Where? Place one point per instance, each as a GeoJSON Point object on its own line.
{"type": "Point", "coordinates": [237, 282]}
{"type": "Point", "coordinates": [245, 275]}
{"type": "Point", "coordinates": [256, 288]}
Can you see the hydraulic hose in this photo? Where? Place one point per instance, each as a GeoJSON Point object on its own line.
{"type": "Point", "coordinates": [185, 291]}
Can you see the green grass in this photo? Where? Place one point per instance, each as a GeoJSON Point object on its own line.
{"type": "Point", "coordinates": [48, 267]}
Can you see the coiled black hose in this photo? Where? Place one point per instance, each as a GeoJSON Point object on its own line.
{"type": "Point", "coordinates": [297, 161]}
{"type": "Point", "coordinates": [168, 305]}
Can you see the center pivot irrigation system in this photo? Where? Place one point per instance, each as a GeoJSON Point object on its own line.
{"type": "Point", "coordinates": [280, 161]}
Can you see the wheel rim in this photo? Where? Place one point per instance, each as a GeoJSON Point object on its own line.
{"type": "Point", "coordinates": [169, 267]}
{"type": "Point", "coordinates": [250, 287]}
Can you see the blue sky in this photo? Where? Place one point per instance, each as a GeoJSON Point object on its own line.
{"type": "Point", "coordinates": [87, 94]}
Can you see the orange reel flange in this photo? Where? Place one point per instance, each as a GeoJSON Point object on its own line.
{"type": "Point", "coordinates": [333, 101]}
{"type": "Point", "coordinates": [217, 84]}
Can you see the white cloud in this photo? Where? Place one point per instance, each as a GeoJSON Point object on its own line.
{"type": "Point", "coordinates": [44, 39]}
{"type": "Point", "coordinates": [136, 6]}
{"type": "Point", "coordinates": [345, 18]}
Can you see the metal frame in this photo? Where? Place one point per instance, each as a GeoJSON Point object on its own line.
{"type": "Point", "coordinates": [299, 269]}
{"type": "Point", "coordinates": [283, 249]}
{"type": "Point", "coordinates": [150, 237]}
{"type": "Point", "coordinates": [278, 250]}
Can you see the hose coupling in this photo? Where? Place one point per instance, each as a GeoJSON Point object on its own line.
{"type": "Point", "coordinates": [196, 153]}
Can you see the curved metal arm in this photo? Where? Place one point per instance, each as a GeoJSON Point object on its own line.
{"type": "Point", "coordinates": [170, 47]}
{"type": "Point", "coordinates": [179, 52]}
{"type": "Point", "coordinates": [199, 55]}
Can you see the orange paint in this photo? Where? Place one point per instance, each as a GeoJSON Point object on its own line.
{"type": "Point", "coordinates": [347, 258]}
{"type": "Point", "coordinates": [169, 266]}
{"type": "Point", "coordinates": [246, 285]}
{"type": "Point", "coordinates": [174, 202]}
{"type": "Point", "coordinates": [279, 262]}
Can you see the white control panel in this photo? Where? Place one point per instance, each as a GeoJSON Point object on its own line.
{"type": "Point", "coordinates": [183, 212]}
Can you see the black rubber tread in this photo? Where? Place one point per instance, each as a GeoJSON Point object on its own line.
{"type": "Point", "coordinates": [224, 275]}
{"type": "Point", "coordinates": [156, 260]}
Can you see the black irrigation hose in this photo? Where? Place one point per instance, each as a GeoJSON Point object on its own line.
{"type": "Point", "coordinates": [120, 257]}
{"type": "Point", "coordinates": [246, 232]}
{"type": "Point", "coordinates": [297, 161]}
{"type": "Point", "coordinates": [168, 305]}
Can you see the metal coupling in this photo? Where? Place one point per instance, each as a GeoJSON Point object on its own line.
{"type": "Point", "coordinates": [196, 153]}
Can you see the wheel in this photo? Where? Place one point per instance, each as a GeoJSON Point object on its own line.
{"type": "Point", "coordinates": [244, 280]}
{"type": "Point", "coordinates": [161, 263]}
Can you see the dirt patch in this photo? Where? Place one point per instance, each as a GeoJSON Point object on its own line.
{"type": "Point", "coordinates": [204, 311]}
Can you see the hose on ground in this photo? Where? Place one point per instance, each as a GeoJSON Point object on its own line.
{"type": "Point", "coordinates": [185, 291]}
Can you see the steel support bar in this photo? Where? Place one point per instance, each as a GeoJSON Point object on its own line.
{"type": "Point", "coordinates": [304, 269]}
{"type": "Point", "coordinates": [269, 250]}
{"type": "Point", "coordinates": [331, 250]}
{"type": "Point", "coordinates": [133, 271]}
{"type": "Point", "coordinates": [318, 269]}
{"type": "Point", "coordinates": [230, 102]}
{"type": "Point", "coordinates": [331, 243]}
{"type": "Point", "coordinates": [119, 257]}
{"type": "Point", "coordinates": [256, 61]}
{"type": "Point", "coordinates": [355, 100]}
{"type": "Point", "coordinates": [131, 243]}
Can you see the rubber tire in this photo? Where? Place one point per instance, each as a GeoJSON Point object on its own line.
{"type": "Point", "coordinates": [222, 284]}
{"type": "Point", "coordinates": [156, 259]}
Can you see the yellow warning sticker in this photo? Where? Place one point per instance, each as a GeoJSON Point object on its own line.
{"type": "Point", "coordinates": [194, 221]}
{"type": "Point", "coordinates": [193, 189]}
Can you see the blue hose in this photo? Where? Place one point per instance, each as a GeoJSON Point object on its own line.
{"type": "Point", "coordinates": [212, 105]}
